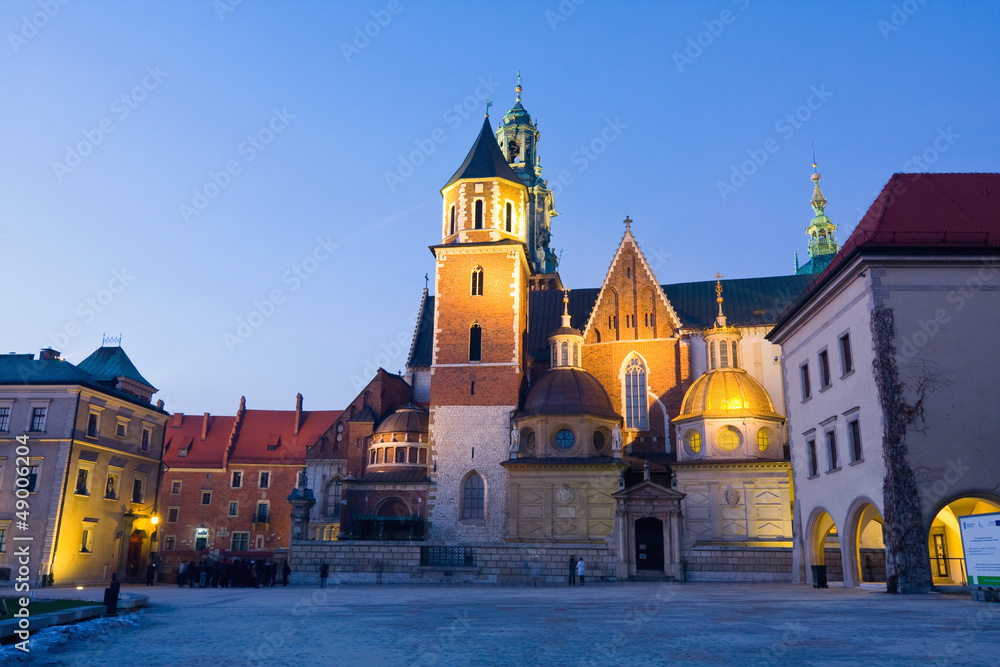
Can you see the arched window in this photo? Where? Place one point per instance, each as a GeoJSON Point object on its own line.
{"type": "Point", "coordinates": [635, 394]}
{"type": "Point", "coordinates": [735, 365]}
{"type": "Point", "coordinates": [477, 281]}
{"type": "Point", "coordinates": [555, 355]}
{"type": "Point", "coordinates": [510, 216]}
{"type": "Point", "coordinates": [334, 494]}
{"type": "Point", "coordinates": [473, 497]}
{"type": "Point", "coordinates": [401, 455]}
{"type": "Point", "coordinates": [451, 227]}
{"type": "Point", "coordinates": [576, 354]}
{"type": "Point", "coordinates": [565, 354]}
{"type": "Point", "coordinates": [479, 214]}
{"type": "Point", "coordinates": [723, 354]}
{"type": "Point", "coordinates": [711, 354]}
{"type": "Point", "coordinates": [475, 343]}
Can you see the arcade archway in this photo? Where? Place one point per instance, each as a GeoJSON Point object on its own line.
{"type": "Point", "coordinates": [944, 541]}
{"type": "Point", "coordinates": [824, 546]}
{"type": "Point", "coordinates": [867, 544]}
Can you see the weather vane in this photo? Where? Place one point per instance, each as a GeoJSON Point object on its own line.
{"type": "Point", "coordinates": [814, 155]}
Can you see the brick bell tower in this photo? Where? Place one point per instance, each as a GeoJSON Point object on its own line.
{"type": "Point", "coordinates": [477, 367]}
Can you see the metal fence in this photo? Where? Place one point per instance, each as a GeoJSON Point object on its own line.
{"type": "Point", "coordinates": [448, 556]}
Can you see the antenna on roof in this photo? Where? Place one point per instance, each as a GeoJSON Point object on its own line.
{"type": "Point", "coordinates": [111, 341]}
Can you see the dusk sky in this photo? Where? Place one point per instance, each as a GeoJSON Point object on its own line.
{"type": "Point", "coordinates": [169, 169]}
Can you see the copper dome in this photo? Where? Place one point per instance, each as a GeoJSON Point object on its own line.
{"type": "Point", "coordinates": [407, 419]}
{"type": "Point", "coordinates": [568, 391]}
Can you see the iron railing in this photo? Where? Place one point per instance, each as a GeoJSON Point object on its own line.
{"type": "Point", "coordinates": [448, 556]}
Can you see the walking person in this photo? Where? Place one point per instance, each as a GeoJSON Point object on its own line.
{"type": "Point", "coordinates": [581, 570]}
{"type": "Point", "coordinates": [285, 570]}
{"type": "Point", "coordinates": [324, 572]}
{"type": "Point", "coordinates": [572, 570]}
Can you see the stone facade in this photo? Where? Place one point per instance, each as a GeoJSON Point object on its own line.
{"type": "Point", "coordinates": [721, 563]}
{"type": "Point", "coordinates": [467, 439]}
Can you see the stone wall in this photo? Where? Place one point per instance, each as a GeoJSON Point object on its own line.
{"type": "Point", "coordinates": [720, 563]}
{"type": "Point", "coordinates": [399, 562]}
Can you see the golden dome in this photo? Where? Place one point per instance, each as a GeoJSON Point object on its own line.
{"type": "Point", "coordinates": [727, 393]}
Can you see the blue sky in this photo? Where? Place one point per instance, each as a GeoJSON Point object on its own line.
{"type": "Point", "coordinates": [170, 169]}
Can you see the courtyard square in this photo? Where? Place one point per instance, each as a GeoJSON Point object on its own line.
{"type": "Point", "coordinates": [600, 624]}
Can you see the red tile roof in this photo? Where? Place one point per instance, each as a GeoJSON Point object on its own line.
{"type": "Point", "coordinates": [276, 428]}
{"type": "Point", "coordinates": [207, 453]}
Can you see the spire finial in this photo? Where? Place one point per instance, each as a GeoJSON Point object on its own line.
{"type": "Point", "coordinates": [489, 103]}
{"type": "Point", "coordinates": [517, 89]}
{"type": "Point", "coordinates": [628, 224]}
{"type": "Point", "coordinates": [426, 281]}
{"type": "Point", "coordinates": [565, 315]}
{"type": "Point", "coordinates": [721, 319]}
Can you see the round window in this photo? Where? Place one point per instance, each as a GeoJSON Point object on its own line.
{"type": "Point", "coordinates": [692, 440]}
{"type": "Point", "coordinates": [728, 438]}
{"type": "Point", "coordinates": [763, 439]}
{"type": "Point", "coordinates": [565, 439]}
{"type": "Point", "coordinates": [527, 444]}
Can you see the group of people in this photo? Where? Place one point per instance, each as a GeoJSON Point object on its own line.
{"type": "Point", "coordinates": [577, 570]}
{"type": "Point", "coordinates": [235, 573]}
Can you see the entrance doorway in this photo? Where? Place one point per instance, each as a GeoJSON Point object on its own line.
{"type": "Point", "coordinates": [944, 542]}
{"type": "Point", "coordinates": [134, 554]}
{"type": "Point", "coordinates": [649, 544]}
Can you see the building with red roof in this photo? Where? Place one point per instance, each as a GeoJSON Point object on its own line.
{"type": "Point", "coordinates": [226, 480]}
{"type": "Point", "coordinates": [890, 365]}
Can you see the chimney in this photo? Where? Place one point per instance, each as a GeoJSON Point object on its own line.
{"type": "Point", "coordinates": [159, 404]}
{"type": "Point", "coordinates": [298, 413]}
{"type": "Point", "coordinates": [177, 420]}
{"type": "Point", "coordinates": [48, 354]}
{"type": "Point", "coordinates": [204, 427]}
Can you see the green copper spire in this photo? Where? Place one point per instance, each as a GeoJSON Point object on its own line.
{"type": "Point", "coordinates": [822, 244]}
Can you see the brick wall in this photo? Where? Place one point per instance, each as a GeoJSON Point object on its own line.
{"type": "Point", "coordinates": [399, 562]}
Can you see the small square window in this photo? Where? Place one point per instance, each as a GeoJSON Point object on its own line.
{"type": "Point", "coordinates": [175, 487]}
{"type": "Point", "coordinates": [234, 508]}
{"type": "Point", "coordinates": [121, 428]}
{"type": "Point", "coordinates": [172, 514]}
{"type": "Point", "coordinates": [206, 497]}
{"type": "Point", "coordinates": [169, 543]}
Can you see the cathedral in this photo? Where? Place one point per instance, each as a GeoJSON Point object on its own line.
{"type": "Point", "coordinates": [642, 424]}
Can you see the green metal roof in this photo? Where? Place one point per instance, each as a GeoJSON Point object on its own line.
{"type": "Point", "coordinates": [109, 363]}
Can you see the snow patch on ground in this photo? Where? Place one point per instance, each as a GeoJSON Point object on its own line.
{"type": "Point", "coordinates": [50, 639]}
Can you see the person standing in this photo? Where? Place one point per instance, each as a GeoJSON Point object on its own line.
{"type": "Point", "coordinates": [286, 570]}
{"type": "Point", "coordinates": [581, 570]}
{"type": "Point", "coordinates": [182, 573]}
{"type": "Point", "coordinates": [150, 573]}
{"type": "Point", "coordinates": [572, 570]}
{"type": "Point", "coordinates": [324, 572]}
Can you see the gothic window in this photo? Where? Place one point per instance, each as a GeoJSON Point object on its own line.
{"type": "Point", "coordinates": [565, 354]}
{"type": "Point", "coordinates": [473, 497]}
{"type": "Point", "coordinates": [510, 216]}
{"type": "Point", "coordinates": [635, 394]}
{"type": "Point", "coordinates": [479, 214]}
{"type": "Point", "coordinates": [451, 226]}
{"type": "Point", "coordinates": [475, 343]}
{"type": "Point", "coordinates": [334, 494]}
{"type": "Point", "coordinates": [477, 281]}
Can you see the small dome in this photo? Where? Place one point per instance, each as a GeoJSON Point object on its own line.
{"type": "Point", "coordinates": [407, 419]}
{"type": "Point", "coordinates": [727, 393]}
{"type": "Point", "coordinates": [568, 391]}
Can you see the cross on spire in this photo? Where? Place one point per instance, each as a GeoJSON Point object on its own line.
{"type": "Point", "coordinates": [628, 224]}
{"type": "Point", "coordinates": [426, 281]}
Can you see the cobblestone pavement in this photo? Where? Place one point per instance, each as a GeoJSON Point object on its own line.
{"type": "Point", "coordinates": [600, 624]}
